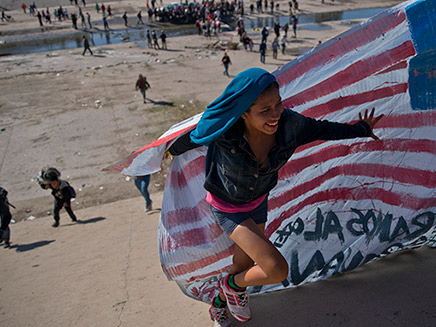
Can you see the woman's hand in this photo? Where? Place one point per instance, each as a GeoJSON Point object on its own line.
{"type": "Point", "coordinates": [371, 121]}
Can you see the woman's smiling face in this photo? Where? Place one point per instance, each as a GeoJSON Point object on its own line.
{"type": "Point", "coordinates": [264, 114]}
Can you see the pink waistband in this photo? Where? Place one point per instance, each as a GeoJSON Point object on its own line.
{"type": "Point", "coordinates": [232, 208]}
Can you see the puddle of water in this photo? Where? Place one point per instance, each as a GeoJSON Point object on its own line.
{"type": "Point", "coordinates": [313, 22]}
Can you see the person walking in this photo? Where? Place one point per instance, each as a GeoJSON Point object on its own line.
{"type": "Point", "coordinates": [61, 191]}
{"type": "Point", "coordinates": [139, 15]}
{"type": "Point", "coordinates": [125, 18]}
{"type": "Point", "coordinates": [294, 25]}
{"type": "Point", "coordinates": [249, 137]}
{"type": "Point", "coordinates": [275, 47]}
{"type": "Point", "coordinates": [89, 20]}
{"type": "Point", "coordinates": [142, 183]}
{"type": "Point", "coordinates": [142, 85]}
{"type": "Point", "coordinates": [262, 50]}
{"type": "Point", "coordinates": [105, 24]}
{"type": "Point", "coordinates": [283, 44]}
{"type": "Point", "coordinates": [226, 62]}
{"type": "Point", "coordinates": [86, 46]}
{"type": "Point", "coordinates": [264, 34]}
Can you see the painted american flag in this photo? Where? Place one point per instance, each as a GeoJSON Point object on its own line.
{"type": "Point", "coordinates": [338, 204]}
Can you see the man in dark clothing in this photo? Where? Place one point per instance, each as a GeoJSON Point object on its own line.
{"type": "Point", "coordinates": [154, 37]}
{"type": "Point", "coordinates": [39, 18]}
{"type": "Point", "coordinates": [163, 38]}
{"type": "Point", "coordinates": [86, 46]}
{"type": "Point", "coordinates": [140, 21]}
{"type": "Point", "coordinates": [262, 50]}
{"type": "Point", "coordinates": [277, 29]}
{"type": "Point", "coordinates": [74, 20]}
{"type": "Point", "coordinates": [265, 34]}
{"type": "Point", "coordinates": [125, 18]}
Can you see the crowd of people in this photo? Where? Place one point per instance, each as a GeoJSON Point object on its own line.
{"type": "Point", "coordinates": [208, 17]}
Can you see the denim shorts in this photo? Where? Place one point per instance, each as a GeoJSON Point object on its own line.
{"type": "Point", "coordinates": [229, 221]}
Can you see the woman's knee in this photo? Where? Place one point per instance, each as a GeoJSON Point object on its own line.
{"type": "Point", "coordinates": [277, 269]}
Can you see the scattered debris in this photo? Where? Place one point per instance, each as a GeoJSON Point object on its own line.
{"type": "Point", "coordinates": [223, 45]}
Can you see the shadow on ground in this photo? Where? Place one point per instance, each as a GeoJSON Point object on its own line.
{"type": "Point", "coordinates": [90, 221]}
{"type": "Point", "coordinates": [30, 246]}
{"type": "Point", "coordinates": [161, 103]}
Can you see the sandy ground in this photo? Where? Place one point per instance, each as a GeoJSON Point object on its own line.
{"type": "Point", "coordinates": [105, 271]}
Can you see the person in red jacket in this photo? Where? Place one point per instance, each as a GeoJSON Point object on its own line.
{"type": "Point", "coordinates": [142, 85]}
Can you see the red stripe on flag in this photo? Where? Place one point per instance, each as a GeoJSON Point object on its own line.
{"type": "Point", "coordinates": [185, 215]}
{"type": "Point", "coordinates": [412, 121]}
{"type": "Point", "coordinates": [294, 166]}
{"type": "Point", "coordinates": [210, 274]}
{"type": "Point", "coordinates": [165, 139]}
{"type": "Point", "coordinates": [352, 74]}
{"type": "Point", "coordinates": [404, 200]}
{"type": "Point", "coordinates": [380, 173]}
{"type": "Point", "coordinates": [379, 25]}
{"type": "Point", "coordinates": [126, 162]}
{"type": "Point", "coordinates": [340, 103]}
{"type": "Point", "coordinates": [179, 179]}
{"type": "Point", "coordinates": [192, 237]}
{"type": "Point", "coordinates": [400, 65]}
{"type": "Point", "coordinates": [192, 266]}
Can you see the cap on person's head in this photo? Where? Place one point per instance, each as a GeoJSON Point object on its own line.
{"type": "Point", "coordinates": [46, 176]}
{"type": "Point", "coordinates": [140, 75]}
{"type": "Point", "coordinates": [236, 99]}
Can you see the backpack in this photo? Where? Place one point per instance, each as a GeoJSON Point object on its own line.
{"type": "Point", "coordinates": [71, 190]}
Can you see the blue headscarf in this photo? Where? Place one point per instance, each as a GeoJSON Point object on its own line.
{"type": "Point", "coordinates": [236, 99]}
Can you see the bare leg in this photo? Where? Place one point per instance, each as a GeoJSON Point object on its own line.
{"type": "Point", "coordinates": [241, 262]}
{"type": "Point", "coordinates": [251, 245]}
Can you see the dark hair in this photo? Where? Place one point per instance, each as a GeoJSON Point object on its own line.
{"type": "Point", "coordinates": [267, 89]}
{"type": "Point", "coordinates": [51, 174]}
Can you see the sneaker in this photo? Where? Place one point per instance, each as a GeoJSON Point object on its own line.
{"type": "Point", "coordinates": [219, 317]}
{"type": "Point", "coordinates": [237, 302]}
{"type": "Point", "coordinates": [7, 244]}
{"type": "Point", "coordinates": [148, 207]}
{"type": "Point", "coordinates": [55, 224]}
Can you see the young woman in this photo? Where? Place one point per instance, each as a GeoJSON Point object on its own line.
{"type": "Point", "coordinates": [250, 137]}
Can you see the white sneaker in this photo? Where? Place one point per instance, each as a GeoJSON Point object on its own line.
{"type": "Point", "coordinates": [219, 317]}
{"type": "Point", "coordinates": [237, 302]}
